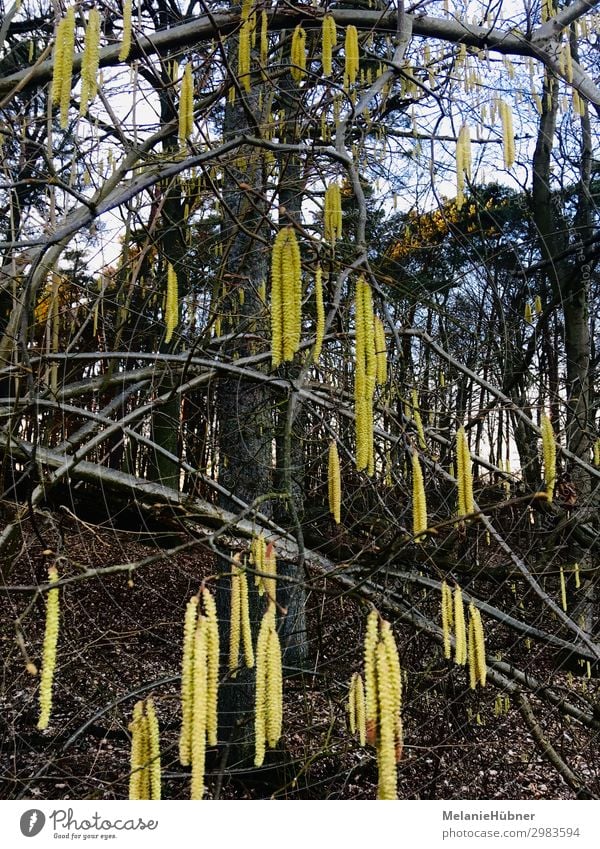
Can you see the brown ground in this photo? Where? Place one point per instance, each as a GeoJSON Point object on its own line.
{"type": "Point", "coordinates": [120, 640]}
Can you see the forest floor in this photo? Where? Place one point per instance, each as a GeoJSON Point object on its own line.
{"type": "Point", "coordinates": [120, 640]}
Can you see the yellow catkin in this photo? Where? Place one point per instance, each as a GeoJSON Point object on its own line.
{"type": "Point", "coordinates": [66, 32]}
{"type": "Point", "coordinates": [419, 503]}
{"type": "Point", "coordinates": [596, 453]}
{"type": "Point", "coordinates": [277, 316]}
{"type": "Point", "coordinates": [418, 420]}
{"type": "Point", "coordinates": [244, 54]}
{"type": "Point", "coordinates": [145, 757]}
{"type": "Point", "coordinates": [360, 381]}
{"type": "Point", "coordinates": [137, 760]}
{"type": "Point", "coordinates": [187, 669]}
{"type": "Point", "coordinates": [235, 609]}
{"type": "Point", "coordinates": [538, 305]}
{"type": "Point", "coordinates": [154, 750]}
{"type": "Point", "coordinates": [508, 134]}
{"type": "Point", "coordinates": [200, 701]}
{"type": "Point", "coordinates": [386, 743]}
{"type": "Point", "coordinates": [298, 54]}
{"type": "Point", "coordinates": [463, 162]}
{"type": "Point", "coordinates": [352, 704]}
{"type": "Point", "coordinates": [334, 484]}
{"type": "Point", "coordinates": [365, 376]}
{"type": "Point", "coordinates": [172, 303]}
{"type": "Point", "coordinates": [332, 215]}
{"type": "Point", "coordinates": [260, 710]}
{"type": "Point", "coordinates": [186, 104]}
{"type": "Point", "coordinates": [380, 351]}
{"type": "Point", "coordinates": [126, 37]}
{"type": "Point", "coordinates": [264, 43]}
{"type": "Point", "coordinates": [90, 61]}
{"type": "Point", "coordinates": [286, 296]}
{"type": "Point", "coordinates": [267, 704]}
{"type": "Point", "coordinates": [329, 42]}
{"type": "Point", "coordinates": [274, 695]}
{"type": "Point", "coordinates": [480, 663]}
{"type": "Point", "coordinates": [49, 650]}
{"type": "Point", "coordinates": [258, 548]}
{"type": "Point", "coordinates": [245, 622]}
{"type": "Point", "coordinates": [549, 455]}
{"type": "Point", "coordinates": [371, 637]}
{"type": "Point", "coordinates": [57, 59]}
{"type": "Point", "coordinates": [464, 474]}
{"type": "Point", "coordinates": [351, 52]}
{"type": "Point", "coordinates": [460, 648]}
{"type": "Point", "coordinates": [473, 679]}
{"type": "Point", "coordinates": [446, 608]}
{"type": "Point", "coordinates": [270, 567]}
{"type": "Point", "coordinates": [387, 638]}
{"type": "Point", "coordinates": [528, 314]}
{"type": "Point", "coordinates": [563, 590]}
{"type": "Point", "coordinates": [320, 314]}
{"type": "Point", "coordinates": [212, 660]}
{"type": "Point", "coordinates": [359, 710]}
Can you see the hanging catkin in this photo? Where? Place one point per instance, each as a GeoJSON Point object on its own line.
{"type": "Point", "coordinates": [90, 61]}
{"type": "Point", "coordinates": [464, 475]}
{"type": "Point", "coordinates": [351, 53]}
{"type": "Point", "coordinates": [268, 709]}
{"type": "Point", "coordinates": [172, 303]}
{"type": "Point", "coordinates": [383, 701]}
{"type": "Point", "coordinates": [199, 709]}
{"type": "Point", "coordinates": [286, 296]}
{"type": "Point", "coordinates": [508, 134]}
{"type": "Point", "coordinates": [235, 609]}
{"type": "Point", "coordinates": [153, 750]}
{"type": "Point", "coordinates": [239, 630]}
{"type": "Point", "coordinates": [463, 163]}
{"type": "Point", "coordinates": [334, 483]}
{"type": "Point", "coordinates": [258, 549]}
{"type": "Point", "coordinates": [417, 418]}
{"type": "Point", "coordinates": [145, 759]}
{"type": "Point", "coordinates": [298, 54]}
{"type": "Point", "coordinates": [137, 768]}
{"type": "Point", "coordinates": [244, 54]}
{"type": "Point", "coordinates": [332, 215]}
{"type": "Point", "coordinates": [329, 42]}
{"type": "Point", "coordinates": [356, 708]}
{"type": "Point", "coordinates": [380, 351]}
{"type": "Point", "coordinates": [371, 637]}
{"type": "Point", "coordinates": [49, 650]}
{"type": "Point", "coordinates": [476, 649]}
{"type": "Point", "coordinates": [320, 315]}
{"type": "Point", "coordinates": [447, 618]}
{"type": "Point", "coordinates": [186, 104]}
{"type": "Point", "coordinates": [419, 503]}
{"type": "Point", "coordinates": [549, 455]}
{"type": "Point", "coordinates": [365, 376]}
{"type": "Point", "coordinates": [64, 49]}
{"type": "Point", "coordinates": [460, 632]}
{"type": "Point", "coordinates": [187, 666]}
{"type": "Point", "coordinates": [264, 43]}
{"type": "Point", "coordinates": [126, 37]}
{"type": "Point", "coordinates": [199, 686]}
{"type": "Point", "coordinates": [212, 672]}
